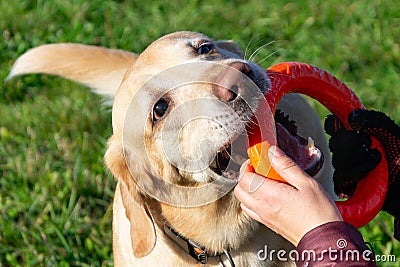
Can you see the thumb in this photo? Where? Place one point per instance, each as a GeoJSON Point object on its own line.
{"type": "Point", "coordinates": [286, 167]}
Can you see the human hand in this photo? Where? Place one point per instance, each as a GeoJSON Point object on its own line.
{"type": "Point", "coordinates": [292, 209]}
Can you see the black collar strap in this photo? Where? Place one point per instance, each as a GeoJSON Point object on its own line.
{"type": "Point", "coordinates": [198, 252]}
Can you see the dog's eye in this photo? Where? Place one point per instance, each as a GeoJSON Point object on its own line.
{"type": "Point", "coordinates": [159, 110]}
{"type": "Point", "coordinates": [205, 48]}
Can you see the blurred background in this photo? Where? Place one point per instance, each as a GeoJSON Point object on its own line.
{"type": "Point", "coordinates": [55, 194]}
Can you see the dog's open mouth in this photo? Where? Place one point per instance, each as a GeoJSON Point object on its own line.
{"type": "Point", "coordinates": [228, 160]}
{"type": "Point", "coordinates": [224, 163]}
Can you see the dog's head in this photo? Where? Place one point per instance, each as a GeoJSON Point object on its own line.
{"type": "Point", "coordinates": [183, 103]}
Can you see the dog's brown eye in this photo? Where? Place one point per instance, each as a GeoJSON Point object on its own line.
{"type": "Point", "coordinates": [204, 49]}
{"type": "Point", "coordinates": [159, 110]}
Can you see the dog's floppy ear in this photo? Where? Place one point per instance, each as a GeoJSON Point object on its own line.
{"type": "Point", "coordinates": [230, 46]}
{"type": "Point", "coordinates": [99, 68]}
{"type": "Point", "coordinates": [142, 231]}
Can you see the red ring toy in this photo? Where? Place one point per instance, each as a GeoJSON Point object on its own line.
{"type": "Point", "coordinates": [293, 77]}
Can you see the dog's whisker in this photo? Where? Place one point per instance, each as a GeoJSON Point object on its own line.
{"type": "Point", "coordinates": [255, 53]}
{"type": "Point", "coordinates": [248, 45]}
{"type": "Point", "coordinates": [267, 57]}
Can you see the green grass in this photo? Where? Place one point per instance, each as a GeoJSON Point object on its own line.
{"type": "Point", "coordinates": [55, 193]}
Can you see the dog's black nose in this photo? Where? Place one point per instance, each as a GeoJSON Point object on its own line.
{"type": "Point", "coordinates": [227, 86]}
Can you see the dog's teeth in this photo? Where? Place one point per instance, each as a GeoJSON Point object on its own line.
{"type": "Point", "coordinates": [310, 143]}
{"type": "Point", "coordinates": [311, 148]}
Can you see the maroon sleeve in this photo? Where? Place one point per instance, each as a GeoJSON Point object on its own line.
{"type": "Point", "coordinates": [334, 243]}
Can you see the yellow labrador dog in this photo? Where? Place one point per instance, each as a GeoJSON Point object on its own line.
{"type": "Point", "coordinates": [169, 111]}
